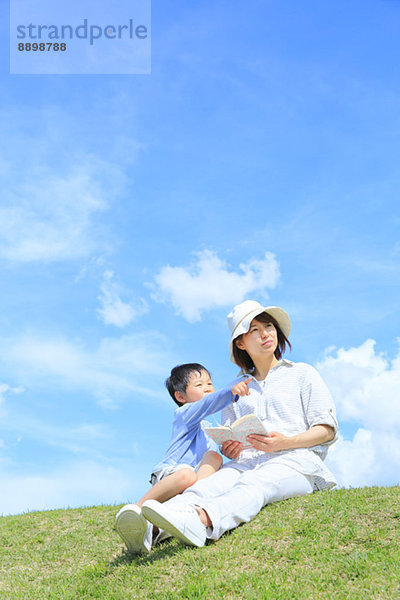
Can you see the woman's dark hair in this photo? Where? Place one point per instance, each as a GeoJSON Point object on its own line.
{"type": "Point", "coordinates": [180, 377]}
{"type": "Point", "coordinates": [243, 359]}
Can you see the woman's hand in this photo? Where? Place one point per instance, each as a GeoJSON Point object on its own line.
{"type": "Point", "coordinates": [231, 449]}
{"type": "Point", "coordinates": [273, 442]}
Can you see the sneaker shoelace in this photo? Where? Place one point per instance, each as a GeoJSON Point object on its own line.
{"type": "Point", "coordinates": [184, 508]}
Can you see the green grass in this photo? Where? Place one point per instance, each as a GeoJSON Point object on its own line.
{"type": "Point", "coordinates": [341, 544]}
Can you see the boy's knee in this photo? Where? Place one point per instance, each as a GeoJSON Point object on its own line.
{"type": "Point", "coordinates": [214, 457]}
{"type": "Point", "coordinates": [218, 459]}
{"type": "Point", "coordinates": [187, 477]}
{"type": "Point", "coordinates": [214, 454]}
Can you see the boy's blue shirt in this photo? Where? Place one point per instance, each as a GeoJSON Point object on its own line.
{"type": "Point", "coordinates": [188, 441]}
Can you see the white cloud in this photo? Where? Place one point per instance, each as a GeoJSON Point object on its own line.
{"type": "Point", "coordinates": [117, 368]}
{"type": "Point", "coordinates": [6, 389]}
{"type": "Point", "coordinates": [365, 386]}
{"type": "Point", "coordinates": [370, 458]}
{"type": "Point", "coordinates": [53, 195]}
{"type": "Point", "coordinates": [49, 215]}
{"type": "Point", "coordinates": [79, 484]}
{"type": "Point", "coordinates": [78, 439]}
{"type": "Point", "coordinates": [209, 283]}
{"type": "Point", "coordinates": [113, 310]}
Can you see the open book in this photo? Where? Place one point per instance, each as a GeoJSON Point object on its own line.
{"type": "Point", "coordinates": [238, 431]}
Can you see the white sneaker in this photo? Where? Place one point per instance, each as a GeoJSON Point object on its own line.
{"type": "Point", "coordinates": [161, 536]}
{"type": "Point", "coordinates": [133, 528]}
{"type": "Point", "coordinates": [180, 520]}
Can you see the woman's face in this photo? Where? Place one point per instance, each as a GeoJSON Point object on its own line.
{"type": "Point", "coordinates": [260, 341]}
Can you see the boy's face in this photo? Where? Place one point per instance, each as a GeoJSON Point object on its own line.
{"type": "Point", "coordinates": [199, 385]}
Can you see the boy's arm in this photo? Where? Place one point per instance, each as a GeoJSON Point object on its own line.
{"type": "Point", "coordinates": [241, 388]}
{"type": "Point", "coordinates": [194, 412]}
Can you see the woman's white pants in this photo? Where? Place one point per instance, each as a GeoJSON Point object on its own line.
{"type": "Point", "coordinates": [231, 497]}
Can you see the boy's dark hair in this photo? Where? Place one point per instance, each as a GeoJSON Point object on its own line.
{"type": "Point", "coordinates": [180, 377]}
{"type": "Point", "coordinates": [243, 359]}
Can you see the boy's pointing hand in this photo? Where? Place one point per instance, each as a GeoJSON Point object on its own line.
{"type": "Point", "coordinates": [241, 388]}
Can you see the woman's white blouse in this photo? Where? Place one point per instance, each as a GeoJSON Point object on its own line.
{"type": "Point", "coordinates": [291, 399]}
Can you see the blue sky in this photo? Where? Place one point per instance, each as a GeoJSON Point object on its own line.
{"type": "Point", "coordinates": [258, 160]}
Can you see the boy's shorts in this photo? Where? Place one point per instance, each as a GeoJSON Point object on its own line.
{"type": "Point", "coordinates": [168, 470]}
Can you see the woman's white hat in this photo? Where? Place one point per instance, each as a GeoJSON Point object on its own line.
{"type": "Point", "coordinates": [241, 316]}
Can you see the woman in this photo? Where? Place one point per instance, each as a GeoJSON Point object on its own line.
{"type": "Point", "coordinates": [296, 408]}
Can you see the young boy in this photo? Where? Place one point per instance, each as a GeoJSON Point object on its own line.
{"type": "Point", "coordinates": [191, 454]}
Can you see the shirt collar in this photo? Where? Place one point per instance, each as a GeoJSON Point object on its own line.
{"type": "Point", "coordinates": [283, 361]}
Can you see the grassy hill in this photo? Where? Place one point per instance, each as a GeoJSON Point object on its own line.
{"type": "Point", "coordinates": [341, 544]}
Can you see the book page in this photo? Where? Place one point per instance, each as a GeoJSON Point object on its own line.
{"type": "Point", "coordinates": [245, 426]}
{"type": "Point", "coordinates": [239, 430]}
{"type": "Point", "coordinates": [219, 434]}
